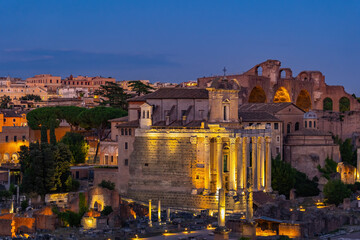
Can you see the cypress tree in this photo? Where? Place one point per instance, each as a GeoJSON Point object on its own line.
{"type": "Point", "coordinates": [52, 136]}
{"type": "Point", "coordinates": [44, 138]}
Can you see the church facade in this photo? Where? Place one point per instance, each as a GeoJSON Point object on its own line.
{"type": "Point", "coordinates": [189, 143]}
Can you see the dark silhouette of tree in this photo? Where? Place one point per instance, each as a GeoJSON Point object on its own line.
{"type": "Point", "coordinates": [111, 94]}
{"type": "Point", "coordinates": [77, 146]}
{"type": "Point", "coordinates": [4, 102]}
{"type": "Point", "coordinates": [31, 97]}
{"type": "Point", "coordinates": [140, 88]}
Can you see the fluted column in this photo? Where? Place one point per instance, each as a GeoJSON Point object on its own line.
{"type": "Point", "coordinates": [262, 161]}
{"type": "Point", "coordinates": [246, 160]}
{"type": "Point", "coordinates": [219, 163]}
{"type": "Point", "coordinates": [240, 178]}
{"type": "Point", "coordinates": [254, 161]}
{"type": "Point", "coordinates": [268, 165]}
{"type": "Point", "coordinates": [232, 183]}
{"type": "Point", "coordinates": [207, 165]}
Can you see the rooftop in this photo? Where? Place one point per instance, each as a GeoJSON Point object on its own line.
{"type": "Point", "coordinates": [174, 93]}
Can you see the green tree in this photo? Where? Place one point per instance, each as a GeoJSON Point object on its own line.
{"type": "Point", "coordinates": [140, 88]}
{"type": "Point", "coordinates": [44, 137]}
{"type": "Point", "coordinates": [97, 120]}
{"type": "Point", "coordinates": [52, 136]}
{"type": "Point", "coordinates": [106, 211]}
{"type": "Point", "coordinates": [335, 191]}
{"type": "Point", "coordinates": [31, 97]}
{"type": "Point", "coordinates": [44, 116]}
{"type": "Point", "coordinates": [347, 152]}
{"type": "Point", "coordinates": [69, 114]}
{"type": "Point", "coordinates": [63, 159]}
{"type": "Point", "coordinates": [344, 104]}
{"type": "Point", "coordinates": [284, 178]}
{"type": "Point", "coordinates": [77, 145]}
{"type": "Point", "coordinates": [107, 184]}
{"type": "Point", "coordinates": [4, 102]}
{"type": "Point", "coordinates": [113, 95]}
{"type": "Point", "coordinates": [329, 168]}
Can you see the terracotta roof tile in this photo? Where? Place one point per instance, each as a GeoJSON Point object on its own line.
{"type": "Point", "coordinates": [174, 93]}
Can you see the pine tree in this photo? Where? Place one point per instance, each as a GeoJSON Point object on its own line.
{"type": "Point", "coordinates": [52, 136]}
{"type": "Point", "coordinates": [44, 138]}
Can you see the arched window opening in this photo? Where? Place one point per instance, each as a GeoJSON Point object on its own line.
{"type": "Point", "coordinates": [144, 114]}
{"type": "Point", "coordinates": [257, 95]}
{"type": "Point", "coordinates": [259, 71]}
{"type": "Point", "coordinates": [328, 104]}
{"type": "Point", "coordinates": [283, 74]}
{"type": "Point", "coordinates": [297, 126]}
{"type": "Point", "coordinates": [344, 104]}
{"type": "Point", "coordinates": [225, 113]}
{"type": "Point", "coordinates": [310, 124]}
{"type": "Point", "coordinates": [303, 100]}
{"type": "Point", "coordinates": [147, 114]}
{"type": "Point", "coordinates": [288, 129]}
{"type": "Point", "coordinates": [282, 95]}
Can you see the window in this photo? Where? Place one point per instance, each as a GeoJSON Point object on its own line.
{"type": "Point", "coordinates": [297, 126]}
{"type": "Point", "coordinates": [277, 139]}
{"type": "Point", "coordinates": [314, 124]}
{"type": "Point", "coordinates": [112, 159]}
{"type": "Point", "coordinates": [277, 150]}
{"type": "Point", "coordinates": [126, 145]}
{"type": "Point", "coordinates": [268, 125]}
{"type": "Point", "coordinates": [130, 131]}
{"type": "Point", "coordinates": [15, 138]}
{"type": "Point", "coordinates": [147, 114]}
{"type": "Point", "coordinates": [305, 124]}
{"type": "Point", "coordinates": [23, 138]}
{"type": "Point", "coordinates": [146, 164]}
{"type": "Point", "coordinates": [77, 174]}
{"type": "Point", "coordinates": [126, 132]}
{"type": "Point", "coordinates": [288, 129]}
{"type": "Point", "coordinates": [4, 120]}
{"type": "Point", "coordinates": [6, 138]}
{"type": "Point", "coordinates": [122, 131]}
{"type": "Point", "coordinates": [106, 159]}
{"type": "Point", "coordinates": [225, 117]}
{"type": "Point", "coordinates": [143, 114]}
{"type": "Point", "coordinates": [126, 162]}
{"type": "Point", "coordinates": [225, 163]}
{"type": "Point", "coordinates": [310, 124]}
{"type": "Point", "coordinates": [14, 120]}
{"type": "Point", "coordinates": [276, 126]}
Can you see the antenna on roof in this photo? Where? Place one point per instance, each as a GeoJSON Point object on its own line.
{"type": "Point", "coordinates": [224, 70]}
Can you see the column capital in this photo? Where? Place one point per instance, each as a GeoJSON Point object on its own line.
{"type": "Point", "coordinates": [240, 140]}
{"type": "Point", "coordinates": [247, 140]}
{"type": "Point", "coordinates": [232, 140]}
{"type": "Point", "coordinates": [193, 140]}
{"type": "Point", "coordinates": [218, 139]}
{"type": "Point", "coordinates": [206, 140]}
{"type": "Point", "coordinates": [254, 139]}
{"type": "Point", "coordinates": [268, 139]}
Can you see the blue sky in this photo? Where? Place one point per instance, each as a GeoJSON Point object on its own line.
{"type": "Point", "coordinates": [178, 41]}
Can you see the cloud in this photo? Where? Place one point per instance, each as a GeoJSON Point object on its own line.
{"type": "Point", "coordinates": [20, 61]}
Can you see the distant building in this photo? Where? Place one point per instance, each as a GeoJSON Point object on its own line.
{"type": "Point", "coordinates": [91, 83]}
{"type": "Point", "coordinates": [48, 81]}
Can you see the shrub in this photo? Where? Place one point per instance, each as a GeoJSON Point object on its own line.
{"type": "Point", "coordinates": [335, 191]}
{"type": "Point", "coordinates": [106, 211]}
{"type": "Point", "coordinates": [107, 184]}
{"type": "Point", "coordinates": [24, 205]}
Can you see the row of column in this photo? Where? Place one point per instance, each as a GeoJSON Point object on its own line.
{"type": "Point", "coordinates": [245, 153]}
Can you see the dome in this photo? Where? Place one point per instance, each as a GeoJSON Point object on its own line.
{"type": "Point", "coordinates": [224, 83]}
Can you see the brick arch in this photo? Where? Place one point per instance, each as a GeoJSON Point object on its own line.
{"type": "Point", "coordinates": [259, 70]}
{"type": "Point", "coordinates": [328, 104]}
{"type": "Point", "coordinates": [281, 95]}
{"type": "Point", "coordinates": [257, 95]}
{"type": "Point", "coordinates": [344, 104]}
{"type": "Point", "coordinates": [303, 100]}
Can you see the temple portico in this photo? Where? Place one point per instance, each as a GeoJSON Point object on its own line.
{"type": "Point", "coordinates": [227, 159]}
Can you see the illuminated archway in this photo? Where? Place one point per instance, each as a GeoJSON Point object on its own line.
{"type": "Point", "coordinates": [303, 101]}
{"type": "Point", "coordinates": [257, 95]}
{"type": "Point", "coordinates": [282, 95]}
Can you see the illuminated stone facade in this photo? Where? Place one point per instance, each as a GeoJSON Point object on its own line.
{"type": "Point", "coordinates": [188, 144]}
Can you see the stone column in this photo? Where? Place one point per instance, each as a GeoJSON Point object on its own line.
{"type": "Point", "coordinates": [221, 210]}
{"type": "Point", "coordinates": [246, 160]}
{"type": "Point", "coordinates": [168, 215]}
{"type": "Point", "coordinates": [219, 162]}
{"type": "Point", "coordinates": [232, 178]}
{"type": "Point", "coordinates": [150, 222]}
{"type": "Point", "coordinates": [258, 164]}
{"type": "Point", "coordinates": [262, 160]}
{"type": "Point", "coordinates": [159, 212]}
{"type": "Point", "coordinates": [358, 165]}
{"type": "Point", "coordinates": [268, 165]}
{"type": "Point", "coordinates": [240, 179]}
{"type": "Point", "coordinates": [207, 165]}
{"type": "Point", "coordinates": [254, 161]}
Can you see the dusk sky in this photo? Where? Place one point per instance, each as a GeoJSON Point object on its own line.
{"type": "Point", "coordinates": [176, 41]}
